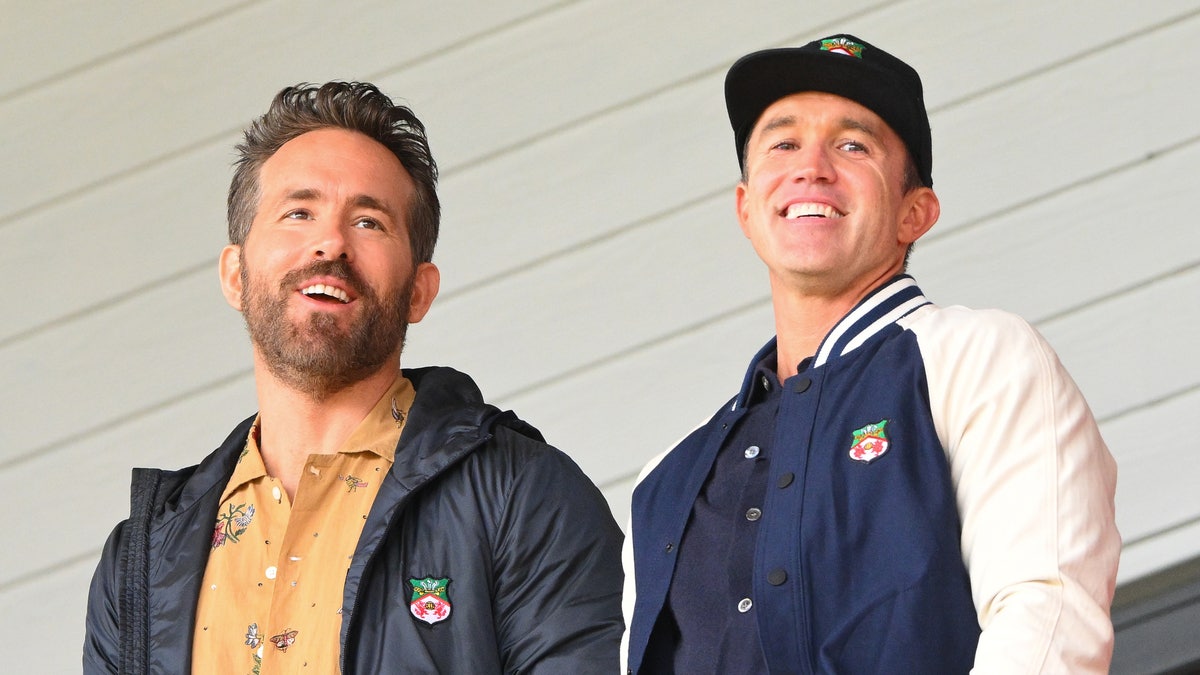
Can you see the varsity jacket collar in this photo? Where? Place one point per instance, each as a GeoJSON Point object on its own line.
{"type": "Point", "coordinates": [882, 307]}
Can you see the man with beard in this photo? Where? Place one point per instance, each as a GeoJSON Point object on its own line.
{"type": "Point", "coordinates": [368, 519]}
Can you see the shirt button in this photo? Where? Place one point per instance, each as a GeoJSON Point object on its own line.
{"type": "Point", "coordinates": [766, 384]}
{"type": "Point", "coordinates": [752, 452]}
{"type": "Point", "coordinates": [271, 572]}
{"type": "Point", "coordinates": [776, 577]}
{"type": "Point", "coordinates": [753, 514]}
{"type": "Point", "coordinates": [276, 493]}
{"type": "Point", "coordinates": [745, 605]}
{"type": "Point", "coordinates": [786, 479]}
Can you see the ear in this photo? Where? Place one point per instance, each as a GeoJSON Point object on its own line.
{"type": "Point", "coordinates": [741, 206]}
{"type": "Point", "coordinates": [922, 210]}
{"type": "Point", "coordinates": [229, 268]}
{"type": "Point", "coordinates": [426, 283]}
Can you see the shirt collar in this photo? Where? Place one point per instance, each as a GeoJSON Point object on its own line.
{"type": "Point", "coordinates": [378, 433]}
{"type": "Point", "coordinates": [882, 307]}
{"type": "Point", "coordinates": [380, 430]}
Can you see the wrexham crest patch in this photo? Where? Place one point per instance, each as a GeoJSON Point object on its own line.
{"type": "Point", "coordinates": [870, 442]}
{"type": "Point", "coordinates": [842, 46]}
{"type": "Point", "coordinates": [430, 599]}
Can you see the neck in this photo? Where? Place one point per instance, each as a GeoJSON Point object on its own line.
{"type": "Point", "coordinates": [804, 318]}
{"type": "Point", "coordinates": [294, 424]}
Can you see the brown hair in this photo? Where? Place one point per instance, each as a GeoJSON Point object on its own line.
{"type": "Point", "coordinates": [355, 106]}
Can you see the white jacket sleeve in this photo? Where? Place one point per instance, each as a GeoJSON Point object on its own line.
{"type": "Point", "coordinates": [1034, 483]}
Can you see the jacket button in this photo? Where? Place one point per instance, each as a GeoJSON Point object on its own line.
{"type": "Point", "coordinates": [786, 479]}
{"type": "Point", "coordinates": [744, 605]}
{"type": "Point", "coordinates": [753, 514]}
{"type": "Point", "coordinates": [776, 577]}
{"type": "Point", "coordinates": [670, 547]}
{"type": "Point", "coordinates": [751, 452]}
{"type": "Point", "coordinates": [802, 385]}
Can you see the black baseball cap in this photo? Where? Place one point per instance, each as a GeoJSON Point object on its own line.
{"type": "Point", "coordinates": [842, 65]}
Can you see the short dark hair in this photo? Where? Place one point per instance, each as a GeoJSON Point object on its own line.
{"type": "Point", "coordinates": [354, 106]}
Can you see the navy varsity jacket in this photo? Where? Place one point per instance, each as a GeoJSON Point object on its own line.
{"type": "Point", "coordinates": [907, 413]}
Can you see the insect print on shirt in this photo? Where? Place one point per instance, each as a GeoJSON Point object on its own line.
{"type": "Point", "coordinates": [397, 414]}
{"type": "Point", "coordinates": [352, 482]}
{"type": "Point", "coordinates": [253, 639]}
{"type": "Point", "coordinates": [284, 640]}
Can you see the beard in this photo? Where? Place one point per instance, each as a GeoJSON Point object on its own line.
{"type": "Point", "coordinates": [315, 355]}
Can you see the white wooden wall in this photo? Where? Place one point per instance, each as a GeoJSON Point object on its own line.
{"type": "Point", "coordinates": [594, 278]}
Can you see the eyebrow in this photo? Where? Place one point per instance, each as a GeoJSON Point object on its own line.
{"type": "Point", "coordinates": [784, 121]}
{"type": "Point", "coordinates": [361, 201]}
{"type": "Point", "coordinates": [846, 123]}
{"type": "Point", "coordinates": [850, 123]}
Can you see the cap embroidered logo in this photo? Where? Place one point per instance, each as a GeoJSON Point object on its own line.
{"type": "Point", "coordinates": [842, 46]}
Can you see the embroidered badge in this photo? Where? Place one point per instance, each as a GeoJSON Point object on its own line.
{"type": "Point", "coordinates": [870, 442]}
{"type": "Point", "coordinates": [352, 482]}
{"type": "Point", "coordinates": [430, 599]}
{"type": "Point", "coordinates": [285, 639]}
{"type": "Point", "coordinates": [842, 46]}
{"type": "Point", "coordinates": [232, 524]}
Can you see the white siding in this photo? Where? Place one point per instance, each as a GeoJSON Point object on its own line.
{"type": "Point", "coordinates": [594, 277]}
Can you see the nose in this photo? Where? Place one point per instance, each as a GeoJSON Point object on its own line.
{"type": "Point", "coordinates": [813, 163]}
{"type": "Point", "coordinates": [331, 242]}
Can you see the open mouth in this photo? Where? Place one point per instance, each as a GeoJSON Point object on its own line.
{"type": "Point", "coordinates": [326, 293]}
{"type": "Point", "coordinates": [810, 210]}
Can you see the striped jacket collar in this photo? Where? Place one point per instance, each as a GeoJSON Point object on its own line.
{"type": "Point", "coordinates": [885, 305]}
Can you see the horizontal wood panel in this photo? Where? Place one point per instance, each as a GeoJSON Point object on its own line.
{"type": "Point", "coordinates": [1073, 247]}
{"type": "Point", "coordinates": [479, 203]}
{"type": "Point", "coordinates": [232, 72]}
{"type": "Point", "coordinates": [547, 74]}
{"type": "Point", "coordinates": [1156, 486]}
{"type": "Point", "coordinates": [1134, 348]}
{"type": "Point", "coordinates": [1152, 555]}
{"type": "Point", "coordinates": [97, 470]}
{"type": "Point", "coordinates": [109, 244]}
{"type": "Point", "coordinates": [133, 356]}
{"type": "Point", "coordinates": [618, 501]}
{"type": "Point", "coordinates": [43, 620]}
{"type": "Point", "coordinates": [616, 416]}
{"type": "Point", "coordinates": [56, 37]}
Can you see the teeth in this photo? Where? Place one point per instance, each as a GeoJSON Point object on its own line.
{"type": "Point", "coordinates": [331, 291]}
{"type": "Point", "coordinates": [809, 209]}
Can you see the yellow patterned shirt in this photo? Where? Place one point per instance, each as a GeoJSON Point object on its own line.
{"type": "Point", "coordinates": [271, 601]}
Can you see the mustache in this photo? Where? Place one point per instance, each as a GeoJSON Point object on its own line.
{"type": "Point", "coordinates": [338, 269]}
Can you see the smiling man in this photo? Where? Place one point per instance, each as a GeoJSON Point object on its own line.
{"type": "Point", "coordinates": [897, 487]}
{"type": "Point", "coordinates": [367, 519]}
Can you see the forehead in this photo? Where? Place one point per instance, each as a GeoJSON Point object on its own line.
{"type": "Point", "coordinates": [336, 161]}
{"type": "Point", "coordinates": [821, 110]}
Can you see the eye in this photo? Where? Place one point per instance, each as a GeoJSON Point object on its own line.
{"type": "Point", "coordinates": [368, 223]}
{"type": "Point", "coordinates": [784, 145]}
{"type": "Point", "coordinates": [852, 146]}
{"type": "Point", "coordinates": [298, 214]}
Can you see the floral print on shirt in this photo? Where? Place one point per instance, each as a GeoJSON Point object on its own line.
{"type": "Point", "coordinates": [232, 524]}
